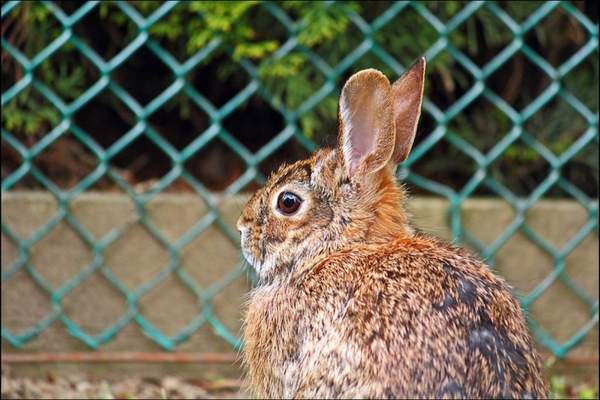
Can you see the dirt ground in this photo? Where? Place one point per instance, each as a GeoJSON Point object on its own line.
{"type": "Point", "coordinates": [84, 387]}
{"type": "Point", "coordinates": [169, 387]}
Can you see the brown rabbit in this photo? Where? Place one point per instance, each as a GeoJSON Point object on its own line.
{"type": "Point", "coordinates": [353, 303]}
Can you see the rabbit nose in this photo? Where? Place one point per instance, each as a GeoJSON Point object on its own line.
{"type": "Point", "coordinates": [243, 231]}
{"type": "Point", "coordinates": [240, 226]}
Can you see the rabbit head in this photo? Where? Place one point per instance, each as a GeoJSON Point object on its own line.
{"type": "Point", "coordinates": [343, 195]}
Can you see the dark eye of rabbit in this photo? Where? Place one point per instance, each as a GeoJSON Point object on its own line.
{"type": "Point", "coordinates": [288, 203]}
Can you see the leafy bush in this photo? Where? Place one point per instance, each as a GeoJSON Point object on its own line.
{"type": "Point", "coordinates": [560, 390]}
{"type": "Point", "coordinates": [247, 32]}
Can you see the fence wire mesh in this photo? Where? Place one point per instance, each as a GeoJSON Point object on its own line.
{"type": "Point", "coordinates": [331, 76]}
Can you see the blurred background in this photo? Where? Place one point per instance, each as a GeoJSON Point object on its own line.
{"type": "Point", "coordinates": [134, 132]}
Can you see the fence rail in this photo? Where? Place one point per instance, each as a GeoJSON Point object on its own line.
{"type": "Point", "coordinates": [331, 75]}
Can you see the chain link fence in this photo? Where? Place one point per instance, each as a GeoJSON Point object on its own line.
{"type": "Point", "coordinates": [443, 44]}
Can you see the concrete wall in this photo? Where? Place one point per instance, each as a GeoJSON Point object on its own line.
{"type": "Point", "coordinates": [137, 256]}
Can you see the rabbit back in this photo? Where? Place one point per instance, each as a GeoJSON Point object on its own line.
{"type": "Point", "coordinates": [412, 318]}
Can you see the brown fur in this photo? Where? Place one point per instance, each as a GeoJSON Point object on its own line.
{"type": "Point", "coordinates": [352, 303]}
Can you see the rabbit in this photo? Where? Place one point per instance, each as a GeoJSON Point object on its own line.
{"type": "Point", "coordinates": [351, 301]}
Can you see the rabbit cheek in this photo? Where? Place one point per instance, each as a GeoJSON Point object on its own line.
{"type": "Point", "coordinates": [273, 243]}
{"type": "Point", "coordinates": [275, 228]}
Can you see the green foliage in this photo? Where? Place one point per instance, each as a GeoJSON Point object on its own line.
{"type": "Point", "coordinates": [29, 114]}
{"type": "Point", "coordinates": [246, 30]}
{"type": "Point", "coordinates": [560, 390]}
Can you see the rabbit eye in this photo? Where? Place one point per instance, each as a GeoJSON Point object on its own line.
{"type": "Point", "coordinates": [288, 203]}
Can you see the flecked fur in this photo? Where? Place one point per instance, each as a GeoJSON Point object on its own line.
{"type": "Point", "coordinates": [352, 303]}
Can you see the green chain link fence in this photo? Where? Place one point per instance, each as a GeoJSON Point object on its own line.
{"type": "Point", "coordinates": [216, 131]}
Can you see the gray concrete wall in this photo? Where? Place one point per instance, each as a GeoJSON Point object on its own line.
{"type": "Point", "coordinates": [137, 256]}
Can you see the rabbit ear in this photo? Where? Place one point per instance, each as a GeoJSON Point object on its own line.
{"type": "Point", "coordinates": [366, 133]}
{"type": "Point", "coordinates": [407, 93]}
